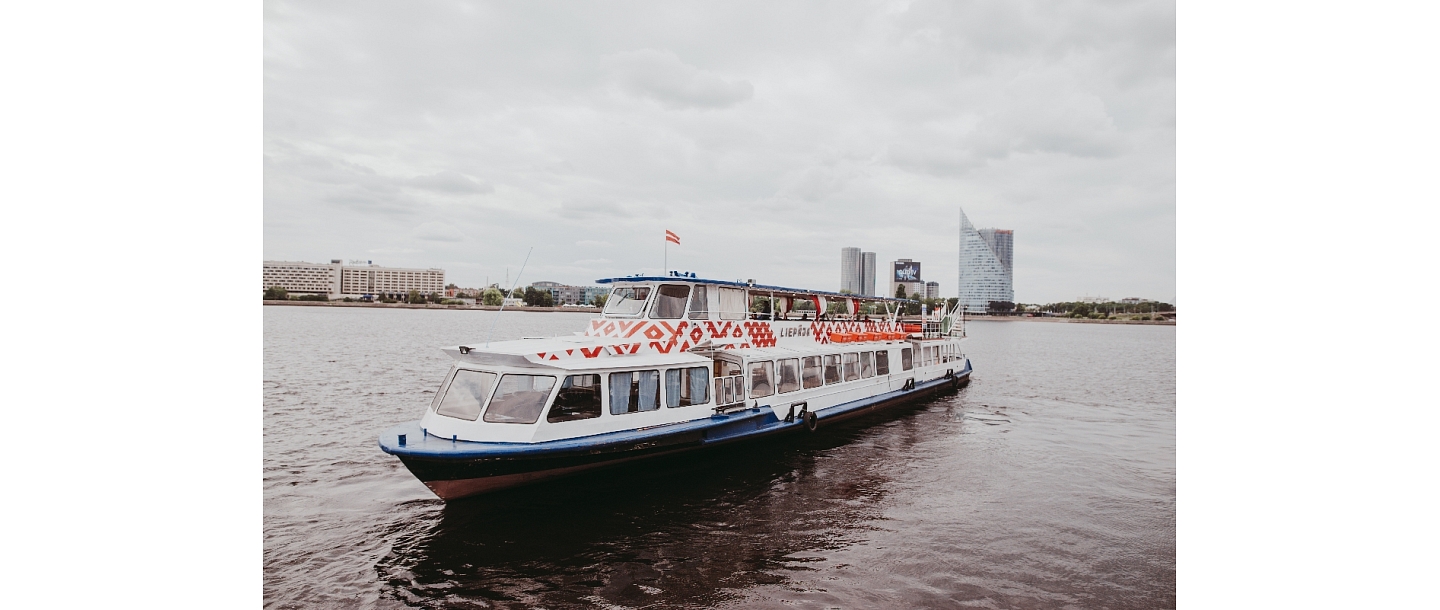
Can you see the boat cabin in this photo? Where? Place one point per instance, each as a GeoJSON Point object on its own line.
{"type": "Point", "coordinates": [670, 350]}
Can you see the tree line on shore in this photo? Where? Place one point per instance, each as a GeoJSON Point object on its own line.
{"type": "Point", "coordinates": [533, 297]}
{"type": "Point", "coordinates": [491, 296]}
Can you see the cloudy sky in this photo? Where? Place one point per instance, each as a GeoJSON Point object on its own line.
{"type": "Point", "coordinates": [768, 135]}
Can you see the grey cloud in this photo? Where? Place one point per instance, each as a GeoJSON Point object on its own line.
{"type": "Point", "coordinates": [449, 182]}
{"type": "Point", "coordinates": [661, 76]}
{"type": "Point", "coordinates": [593, 209]}
{"type": "Point", "coordinates": [436, 231]}
{"type": "Point", "coordinates": [750, 129]}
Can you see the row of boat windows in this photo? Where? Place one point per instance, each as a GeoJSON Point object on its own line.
{"type": "Point", "coordinates": [520, 399]}
{"type": "Point", "coordinates": [671, 299]}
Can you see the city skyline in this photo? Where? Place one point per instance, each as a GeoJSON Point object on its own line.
{"type": "Point", "coordinates": [426, 136]}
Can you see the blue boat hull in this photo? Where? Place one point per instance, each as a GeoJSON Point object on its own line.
{"type": "Point", "coordinates": [456, 469]}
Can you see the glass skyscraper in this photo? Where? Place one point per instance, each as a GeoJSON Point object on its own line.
{"type": "Point", "coordinates": [986, 265]}
{"type": "Point", "coordinates": [857, 271]}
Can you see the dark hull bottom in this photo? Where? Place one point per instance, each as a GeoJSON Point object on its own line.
{"type": "Point", "coordinates": [452, 479]}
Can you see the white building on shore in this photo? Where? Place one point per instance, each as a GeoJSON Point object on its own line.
{"type": "Point", "coordinates": [338, 279]}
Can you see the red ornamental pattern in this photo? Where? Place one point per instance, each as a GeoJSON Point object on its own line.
{"type": "Point", "coordinates": [761, 335]}
{"type": "Point", "coordinates": [664, 336]}
{"type": "Point", "coordinates": [821, 329]}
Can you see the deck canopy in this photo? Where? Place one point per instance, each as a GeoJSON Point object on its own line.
{"type": "Point", "coordinates": [755, 289]}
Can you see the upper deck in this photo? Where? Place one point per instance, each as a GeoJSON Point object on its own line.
{"type": "Point", "coordinates": [678, 313]}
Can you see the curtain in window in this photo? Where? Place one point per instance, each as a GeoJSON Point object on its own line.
{"type": "Point", "coordinates": [649, 390]}
{"type": "Point", "coordinates": [670, 304]}
{"type": "Point", "coordinates": [732, 304]}
{"type": "Point", "coordinates": [698, 386]}
{"type": "Point", "coordinates": [672, 387]}
{"type": "Point", "coordinates": [620, 393]}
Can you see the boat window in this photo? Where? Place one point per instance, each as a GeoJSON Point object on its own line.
{"type": "Point", "coordinates": [725, 368]}
{"type": "Point", "coordinates": [634, 391]}
{"type": "Point", "coordinates": [867, 364]}
{"type": "Point", "coordinates": [811, 375]}
{"type": "Point", "coordinates": [699, 304]}
{"type": "Point", "coordinates": [762, 375]}
{"type": "Point", "coordinates": [832, 368]}
{"type": "Point", "coordinates": [579, 398]}
{"type": "Point", "coordinates": [466, 394]}
{"type": "Point", "coordinates": [685, 387]}
{"type": "Point", "coordinates": [733, 304]}
{"type": "Point", "coordinates": [789, 371]}
{"type": "Point", "coordinates": [905, 363]}
{"type": "Point", "coordinates": [627, 300]}
{"type": "Point", "coordinates": [519, 399]}
{"type": "Point", "coordinates": [882, 363]}
{"type": "Point", "coordinates": [670, 302]}
{"type": "Point", "coordinates": [852, 366]}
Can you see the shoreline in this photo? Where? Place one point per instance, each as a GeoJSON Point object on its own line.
{"type": "Point", "coordinates": [430, 306]}
{"type": "Point", "coordinates": [1072, 320]}
{"type": "Point", "coordinates": [437, 306]}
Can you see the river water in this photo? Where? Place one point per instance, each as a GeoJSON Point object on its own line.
{"type": "Point", "coordinates": [1049, 482]}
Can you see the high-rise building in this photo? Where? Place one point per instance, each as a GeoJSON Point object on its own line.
{"type": "Point", "coordinates": [857, 271]}
{"type": "Point", "coordinates": [867, 274]}
{"type": "Point", "coordinates": [1002, 242]}
{"type": "Point", "coordinates": [986, 265]}
{"type": "Point", "coordinates": [905, 272]}
{"type": "Point", "coordinates": [850, 270]}
{"type": "Point", "coordinates": [932, 290]}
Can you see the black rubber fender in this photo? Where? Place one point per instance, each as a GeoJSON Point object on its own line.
{"type": "Point", "coordinates": [811, 421]}
{"type": "Point", "coordinates": [909, 384]}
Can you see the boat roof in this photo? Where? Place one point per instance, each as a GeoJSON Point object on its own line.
{"type": "Point", "coordinates": [566, 353]}
{"type": "Point", "coordinates": [778, 290]}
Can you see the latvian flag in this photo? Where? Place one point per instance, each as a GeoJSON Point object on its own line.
{"type": "Point", "coordinates": [670, 236]}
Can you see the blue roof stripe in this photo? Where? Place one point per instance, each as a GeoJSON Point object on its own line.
{"type": "Point", "coordinates": [693, 280]}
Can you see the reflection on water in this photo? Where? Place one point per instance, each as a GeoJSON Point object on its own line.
{"type": "Point", "coordinates": [1037, 486]}
{"type": "Point", "coordinates": [681, 531]}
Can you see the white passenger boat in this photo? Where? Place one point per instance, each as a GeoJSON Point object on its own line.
{"type": "Point", "coordinates": [673, 363]}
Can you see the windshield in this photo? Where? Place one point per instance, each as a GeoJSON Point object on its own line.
{"type": "Point", "coordinates": [466, 394]}
{"type": "Point", "coordinates": [519, 399]}
{"type": "Point", "coordinates": [627, 301]}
